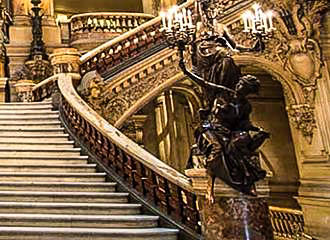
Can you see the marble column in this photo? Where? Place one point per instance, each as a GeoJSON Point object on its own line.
{"type": "Point", "coordinates": [232, 216]}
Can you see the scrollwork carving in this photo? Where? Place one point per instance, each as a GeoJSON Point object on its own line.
{"type": "Point", "coordinates": [303, 118]}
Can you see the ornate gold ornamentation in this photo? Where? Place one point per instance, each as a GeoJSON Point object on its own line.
{"type": "Point", "coordinates": [302, 116]}
{"type": "Point", "coordinates": [295, 46]}
{"type": "Point", "coordinates": [117, 104]}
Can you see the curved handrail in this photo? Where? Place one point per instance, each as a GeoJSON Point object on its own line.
{"type": "Point", "coordinates": [95, 14]}
{"type": "Point", "coordinates": [113, 134]}
{"type": "Point", "coordinates": [157, 182]}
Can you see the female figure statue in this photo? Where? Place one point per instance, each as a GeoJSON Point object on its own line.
{"type": "Point", "coordinates": [223, 136]}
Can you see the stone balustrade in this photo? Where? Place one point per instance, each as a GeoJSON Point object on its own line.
{"type": "Point", "coordinates": [106, 22]}
{"type": "Point", "coordinates": [99, 26]}
{"type": "Point", "coordinates": [126, 46]}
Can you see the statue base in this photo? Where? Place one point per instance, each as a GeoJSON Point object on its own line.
{"type": "Point", "coordinates": [232, 215]}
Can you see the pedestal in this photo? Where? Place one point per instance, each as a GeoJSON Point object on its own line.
{"type": "Point", "coordinates": [233, 215]}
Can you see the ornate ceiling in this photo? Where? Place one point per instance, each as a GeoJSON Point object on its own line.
{"type": "Point", "coordinates": [82, 6]}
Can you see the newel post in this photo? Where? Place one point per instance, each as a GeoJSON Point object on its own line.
{"type": "Point", "coordinates": [64, 60]}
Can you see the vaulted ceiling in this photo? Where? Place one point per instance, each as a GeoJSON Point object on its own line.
{"type": "Point", "coordinates": [82, 6]}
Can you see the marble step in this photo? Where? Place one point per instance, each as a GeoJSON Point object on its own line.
{"type": "Point", "coordinates": [75, 197]}
{"type": "Point", "coordinates": [71, 208]}
{"type": "Point", "coordinates": [29, 159]}
{"type": "Point", "coordinates": [35, 144]}
{"type": "Point", "coordinates": [29, 122]}
{"type": "Point", "coordinates": [31, 125]}
{"type": "Point", "coordinates": [52, 177]}
{"type": "Point", "coordinates": [37, 107]}
{"type": "Point", "coordinates": [61, 220]}
{"type": "Point", "coordinates": [27, 112]}
{"type": "Point", "coordinates": [26, 103]}
{"type": "Point", "coordinates": [37, 233]}
{"type": "Point", "coordinates": [45, 151]}
{"type": "Point", "coordinates": [50, 168]}
{"type": "Point", "coordinates": [30, 132]}
{"type": "Point", "coordinates": [36, 138]}
{"type": "Point", "coordinates": [58, 186]}
{"type": "Point", "coordinates": [22, 118]}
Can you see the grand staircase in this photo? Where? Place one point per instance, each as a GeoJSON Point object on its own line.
{"type": "Point", "coordinates": [49, 191]}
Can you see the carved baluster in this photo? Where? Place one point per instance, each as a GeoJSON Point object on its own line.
{"type": "Point", "coordinates": [150, 185]}
{"type": "Point", "coordinates": [119, 162]}
{"type": "Point", "coordinates": [140, 178]}
{"type": "Point", "coordinates": [118, 25]}
{"type": "Point", "coordinates": [175, 201]}
{"type": "Point", "coordinates": [124, 24]}
{"type": "Point", "coordinates": [130, 23]}
{"type": "Point", "coordinates": [129, 170]}
{"type": "Point", "coordinates": [162, 194]}
{"type": "Point", "coordinates": [190, 212]}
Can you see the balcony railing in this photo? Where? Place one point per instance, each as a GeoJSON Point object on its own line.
{"type": "Point", "coordinates": [99, 26]}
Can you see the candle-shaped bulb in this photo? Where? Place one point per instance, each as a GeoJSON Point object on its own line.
{"type": "Point", "coordinates": [163, 16]}
{"type": "Point", "coordinates": [190, 24]}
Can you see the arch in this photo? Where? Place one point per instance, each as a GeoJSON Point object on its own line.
{"type": "Point", "coordinates": [291, 89]}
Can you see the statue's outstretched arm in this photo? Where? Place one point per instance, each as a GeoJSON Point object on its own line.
{"type": "Point", "coordinates": [200, 80]}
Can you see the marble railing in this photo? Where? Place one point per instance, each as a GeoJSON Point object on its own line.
{"type": "Point", "coordinates": [111, 24]}
{"type": "Point", "coordinates": [158, 183]}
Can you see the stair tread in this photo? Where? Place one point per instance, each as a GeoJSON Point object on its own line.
{"type": "Point", "coordinates": [32, 129]}
{"type": "Point", "coordinates": [46, 157]}
{"type": "Point", "coordinates": [32, 143]}
{"type": "Point", "coordinates": [117, 231]}
{"type": "Point", "coordinates": [49, 174]}
{"type": "Point", "coordinates": [111, 194]}
{"type": "Point", "coordinates": [37, 136]}
{"type": "Point", "coordinates": [99, 184]}
{"type": "Point", "coordinates": [45, 149]}
{"type": "Point", "coordinates": [23, 117]}
{"type": "Point", "coordinates": [79, 217]}
{"type": "Point", "coordinates": [26, 103]}
{"type": "Point", "coordinates": [55, 204]}
{"type": "Point", "coordinates": [50, 165]}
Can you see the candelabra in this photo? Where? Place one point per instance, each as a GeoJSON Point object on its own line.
{"type": "Point", "coordinates": [258, 24]}
{"type": "Point", "coordinates": [178, 27]}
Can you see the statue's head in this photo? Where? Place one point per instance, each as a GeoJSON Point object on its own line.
{"type": "Point", "coordinates": [247, 84]}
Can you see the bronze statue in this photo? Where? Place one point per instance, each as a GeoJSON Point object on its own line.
{"type": "Point", "coordinates": [224, 136]}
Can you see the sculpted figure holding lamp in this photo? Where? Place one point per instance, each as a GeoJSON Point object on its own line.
{"type": "Point", "coordinates": [225, 138]}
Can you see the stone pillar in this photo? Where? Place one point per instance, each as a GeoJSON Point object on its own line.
{"type": "Point", "coordinates": [233, 215]}
{"type": "Point", "coordinates": [163, 137]}
{"type": "Point", "coordinates": [3, 82]}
